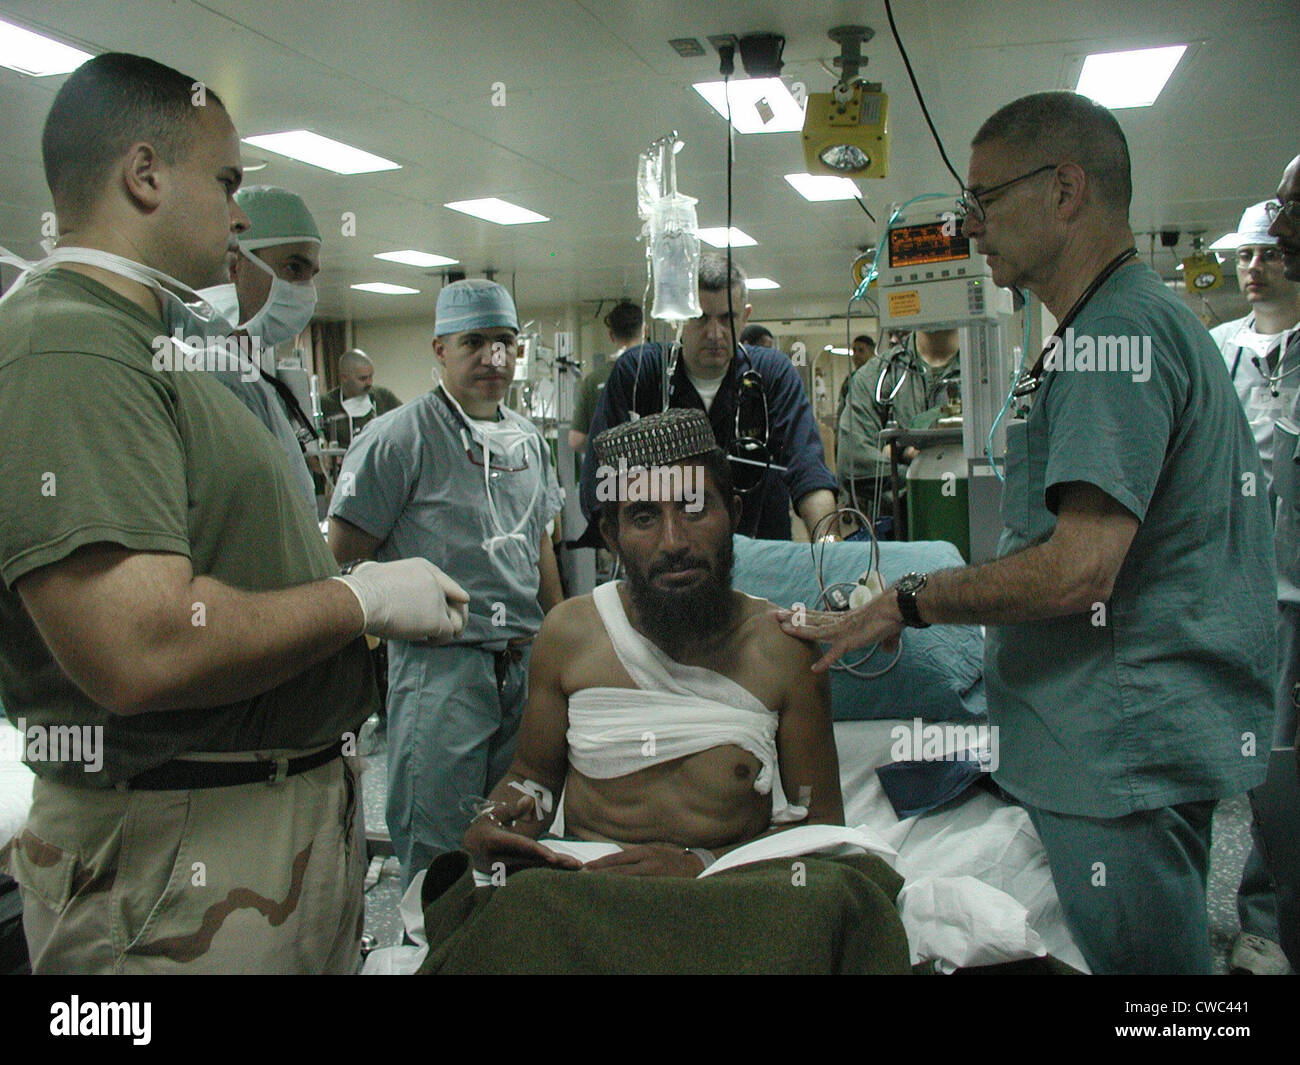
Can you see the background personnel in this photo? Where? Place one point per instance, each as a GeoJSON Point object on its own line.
{"type": "Point", "coordinates": [357, 401]}
{"type": "Point", "coordinates": [626, 327]}
{"type": "Point", "coordinates": [906, 385]}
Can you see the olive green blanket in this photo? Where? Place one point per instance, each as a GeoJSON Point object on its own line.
{"type": "Point", "coordinates": [814, 914]}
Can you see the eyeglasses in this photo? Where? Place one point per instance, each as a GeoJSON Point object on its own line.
{"type": "Point", "coordinates": [1267, 254]}
{"type": "Point", "coordinates": [969, 203]}
{"type": "Point", "coordinates": [496, 463]}
{"type": "Point", "coordinates": [1289, 210]}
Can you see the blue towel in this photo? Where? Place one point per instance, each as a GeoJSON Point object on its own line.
{"type": "Point", "coordinates": [918, 787]}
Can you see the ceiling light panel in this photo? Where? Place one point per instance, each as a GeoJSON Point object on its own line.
{"type": "Point", "coordinates": [1128, 79]}
{"type": "Point", "coordinates": [30, 53]}
{"type": "Point", "coordinates": [717, 237]}
{"type": "Point", "coordinates": [501, 212]}
{"type": "Point", "coordinates": [758, 105]}
{"type": "Point", "coordinates": [411, 257]}
{"type": "Point", "coordinates": [315, 150]}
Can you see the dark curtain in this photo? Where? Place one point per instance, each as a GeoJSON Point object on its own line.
{"type": "Point", "coordinates": [328, 342]}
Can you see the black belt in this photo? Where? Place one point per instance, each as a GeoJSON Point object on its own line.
{"type": "Point", "coordinates": [181, 775]}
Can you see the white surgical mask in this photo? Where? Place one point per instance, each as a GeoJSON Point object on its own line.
{"type": "Point", "coordinates": [286, 313]}
{"type": "Point", "coordinates": [508, 443]}
{"type": "Point", "coordinates": [359, 406]}
{"type": "Point", "coordinates": [179, 317]}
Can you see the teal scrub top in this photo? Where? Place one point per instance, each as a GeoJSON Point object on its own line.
{"type": "Point", "coordinates": [410, 480]}
{"type": "Point", "coordinates": [1163, 695]}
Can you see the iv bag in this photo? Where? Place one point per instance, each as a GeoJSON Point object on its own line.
{"type": "Point", "coordinates": [647, 188]}
{"type": "Point", "coordinates": [675, 258]}
{"type": "Point", "coordinates": [671, 232]}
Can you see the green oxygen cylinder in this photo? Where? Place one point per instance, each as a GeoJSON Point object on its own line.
{"type": "Point", "coordinates": [938, 497]}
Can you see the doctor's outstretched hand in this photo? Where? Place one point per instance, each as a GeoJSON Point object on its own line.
{"type": "Point", "coordinates": [410, 599]}
{"type": "Point", "coordinates": [878, 621]}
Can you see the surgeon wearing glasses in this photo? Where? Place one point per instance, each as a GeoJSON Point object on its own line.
{"type": "Point", "coordinates": [755, 400]}
{"type": "Point", "coordinates": [460, 479]}
{"type": "Point", "coordinates": [1129, 646]}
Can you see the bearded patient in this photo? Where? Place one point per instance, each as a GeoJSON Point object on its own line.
{"type": "Point", "coordinates": [676, 717]}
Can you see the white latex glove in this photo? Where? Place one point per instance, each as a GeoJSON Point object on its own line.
{"type": "Point", "coordinates": [410, 599]}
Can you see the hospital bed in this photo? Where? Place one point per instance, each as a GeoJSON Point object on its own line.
{"type": "Point", "coordinates": [977, 890]}
{"type": "Point", "coordinates": [938, 678]}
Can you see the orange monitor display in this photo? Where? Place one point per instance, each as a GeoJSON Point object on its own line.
{"type": "Point", "coordinates": [925, 244]}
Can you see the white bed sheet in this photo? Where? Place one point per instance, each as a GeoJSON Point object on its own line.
{"type": "Point", "coordinates": [980, 837]}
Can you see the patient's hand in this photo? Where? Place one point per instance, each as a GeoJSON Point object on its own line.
{"type": "Point", "coordinates": [489, 844]}
{"type": "Point", "coordinates": [649, 859]}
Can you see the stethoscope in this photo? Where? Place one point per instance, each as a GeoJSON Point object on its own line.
{"type": "Point", "coordinates": [1029, 381]}
{"type": "Point", "coordinates": [1273, 379]}
{"type": "Point", "coordinates": [905, 359]}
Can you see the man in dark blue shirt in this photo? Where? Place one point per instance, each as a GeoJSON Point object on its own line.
{"type": "Point", "coordinates": [755, 401]}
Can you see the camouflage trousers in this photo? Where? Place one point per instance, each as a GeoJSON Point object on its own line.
{"type": "Point", "coordinates": [259, 878]}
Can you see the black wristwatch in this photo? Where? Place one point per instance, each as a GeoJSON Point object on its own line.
{"type": "Point", "coordinates": [907, 588]}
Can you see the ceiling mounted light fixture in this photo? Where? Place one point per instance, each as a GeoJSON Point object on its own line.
{"type": "Point", "coordinates": [846, 131]}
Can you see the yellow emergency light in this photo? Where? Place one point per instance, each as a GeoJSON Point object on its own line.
{"type": "Point", "coordinates": [1201, 272]}
{"type": "Point", "coordinates": [846, 131]}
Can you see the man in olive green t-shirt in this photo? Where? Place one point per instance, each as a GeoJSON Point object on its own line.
{"type": "Point", "coordinates": [357, 401]}
{"type": "Point", "coordinates": [185, 674]}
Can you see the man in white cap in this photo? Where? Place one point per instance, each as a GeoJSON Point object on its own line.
{"type": "Point", "coordinates": [1262, 352]}
{"type": "Point", "coordinates": [1262, 349]}
{"type": "Point", "coordinates": [459, 479]}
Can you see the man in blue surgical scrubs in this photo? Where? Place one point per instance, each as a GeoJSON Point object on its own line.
{"type": "Point", "coordinates": [1129, 659]}
{"type": "Point", "coordinates": [455, 476]}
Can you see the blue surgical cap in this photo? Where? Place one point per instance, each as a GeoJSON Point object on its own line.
{"type": "Point", "coordinates": [475, 303]}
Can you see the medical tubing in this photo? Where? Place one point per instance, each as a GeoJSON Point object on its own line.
{"type": "Point", "coordinates": [873, 566]}
{"type": "Point", "coordinates": [1011, 392]}
{"type": "Point", "coordinates": [731, 310]}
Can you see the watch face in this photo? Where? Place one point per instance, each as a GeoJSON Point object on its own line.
{"type": "Point", "coordinates": [911, 582]}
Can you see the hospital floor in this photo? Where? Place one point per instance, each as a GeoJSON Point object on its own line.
{"type": "Point", "coordinates": [384, 884]}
